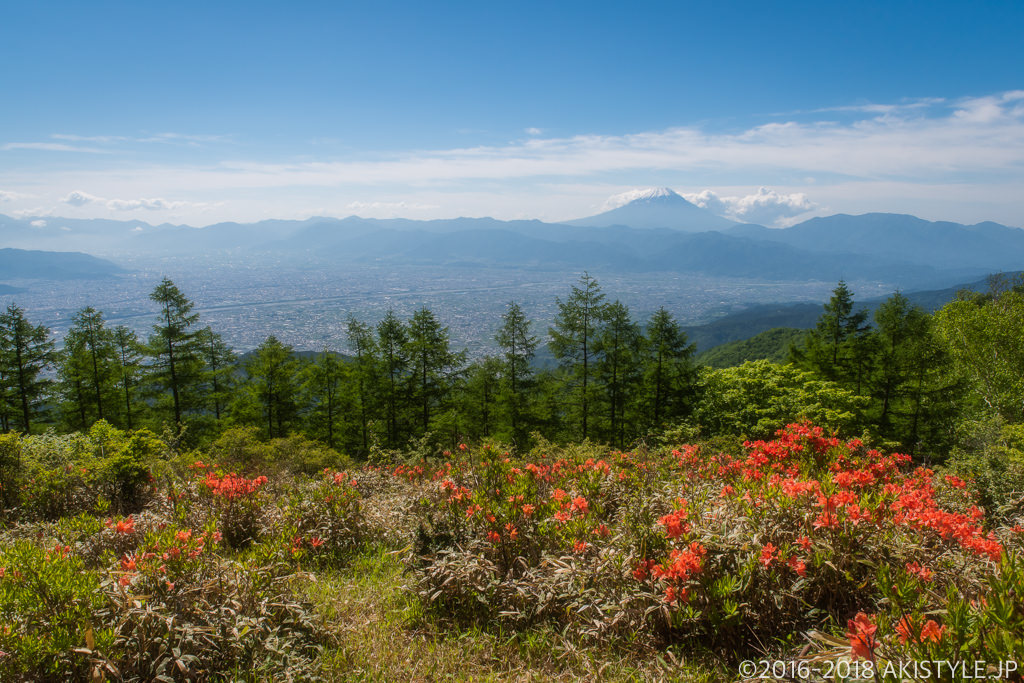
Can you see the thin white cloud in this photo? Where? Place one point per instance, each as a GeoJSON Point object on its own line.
{"type": "Point", "coordinates": [977, 135]}
{"type": "Point", "coordinates": [389, 206]}
{"type": "Point", "coordinates": [50, 147]}
{"type": "Point", "coordinates": [78, 198]}
{"type": "Point", "coordinates": [965, 146]}
{"type": "Point", "coordinates": [38, 223]}
{"type": "Point", "coordinates": [164, 138]}
{"type": "Point", "coordinates": [10, 196]}
{"type": "Point", "coordinates": [766, 207]}
{"type": "Point", "coordinates": [149, 204]}
{"type": "Point", "coordinates": [879, 108]}
{"type": "Point", "coordinates": [533, 131]}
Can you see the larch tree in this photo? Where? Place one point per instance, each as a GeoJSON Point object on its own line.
{"type": "Point", "coordinates": [129, 360]}
{"type": "Point", "coordinates": [392, 345]}
{"type": "Point", "coordinates": [25, 352]}
{"type": "Point", "coordinates": [432, 363]}
{"type": "Point", "coordinates": [572, 342]}
{"type": "Point", "coordinates": [619, 346]}
{"type": "Point", "coordinates": [220, 364]}
{"type": "Point", "coordinates": [670, 376]}
{"type": "Point", "coordinates": [175, 351]}
{"type": "Point", "coordinates": [518, 348]}
{"type": "Point", "coordinates": [273, 379]}
{"type": "Point", "coordinates": [365, 367]}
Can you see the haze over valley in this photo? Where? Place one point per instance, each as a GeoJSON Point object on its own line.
{"type": "Point", "coordinates": [301, 279]}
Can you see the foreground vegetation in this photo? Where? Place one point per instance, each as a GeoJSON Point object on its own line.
{"type": "Point", "coordinates": [126, 557]}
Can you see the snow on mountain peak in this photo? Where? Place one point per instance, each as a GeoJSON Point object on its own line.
{"type": "Point", "coordinates": [624, 198]}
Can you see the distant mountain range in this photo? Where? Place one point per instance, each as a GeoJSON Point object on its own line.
{"type": "Point", "coordinates": [657, 231]}
{"type": "Point", "coordinates": [16, 264]}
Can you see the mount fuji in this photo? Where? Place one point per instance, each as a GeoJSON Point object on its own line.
{"type": "Point", "coordinates": [655, 208]}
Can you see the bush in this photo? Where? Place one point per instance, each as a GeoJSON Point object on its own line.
{"type": "Point", "coordinates": [48, 600]}
{"type": "Point", "coordinates": [691, 545]}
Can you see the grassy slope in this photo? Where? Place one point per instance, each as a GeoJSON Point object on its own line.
{"type": "Point", "coordinates": [383, 633]}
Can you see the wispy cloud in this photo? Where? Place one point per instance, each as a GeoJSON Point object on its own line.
{"type": "Point", "coordinates": [50, 147]}
{"type": "Point", "coordinates": [971, 136]}
{"type": "Point", "coordinates": [909, 149]}
{"type": "Point", "coordinates": [147, 203]}
{"type": "Point", "coordinates": [78, 198]}
{"type": "Point", "coordinates": [162, 138]}
{"type": "Point", "coordinates": [389, 206]}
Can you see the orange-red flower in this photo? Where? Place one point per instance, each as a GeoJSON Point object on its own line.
{"type": "Point", "coordinates": [861, 633]}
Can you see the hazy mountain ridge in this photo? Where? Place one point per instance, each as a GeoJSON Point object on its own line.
{"type": "Point", "coordinates": [940, 244]}
{"type": "Point", "coordinates": [21, 264]}
{"type": "Point", "coordinates": [667, 233]}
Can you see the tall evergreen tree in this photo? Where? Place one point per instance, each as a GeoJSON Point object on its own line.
{"type": "Point", "coordinates": [898, 322]}
{"type": "Point", "coordinates": [432, 363]}
{"type": "Point", "coordinates": [670, 376]}
{"type": "Point", "coordinates": [518, 347]}
{"type": "Point", "coordinates": [361, 339]}
{"type": "Point", "coordinates": [174, 347]}
{"type": "Point", "coordinates": [129, 360]}
{"type": "Point", "coordinates": [838, 348]}
{"type": "Point", "coordinates": [479, 397]}
{"type": "Point", "coordinates": [273, 379]}
{"type": "Point", "coordinates": [392, 344]}
{"type": "Point", "coordinates": [914, 386]}
{"type": "Point", "coordinates": [619, 347]}
{"type": "Point", "coordinates": [324, 383]}
{"type": "Point", "coordinates": [96, 368]}
{"type": "Point", "coordinates": [220, 363]}
{"type": "Point", "coordinates": [25, 351]}
{"type": "Point", "coordinates": [572, 342]}
{"type": "Point", "coordinates": [75, 408]}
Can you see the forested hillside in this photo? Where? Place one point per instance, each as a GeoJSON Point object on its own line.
{"type": "Point", "coordinates": [909, 377]}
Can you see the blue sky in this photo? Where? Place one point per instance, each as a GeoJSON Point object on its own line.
{"type": "Point", "coordinates": [199, 112]}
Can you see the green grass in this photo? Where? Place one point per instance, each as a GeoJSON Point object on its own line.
{"type": "Point", "coordinates": [381, 632]}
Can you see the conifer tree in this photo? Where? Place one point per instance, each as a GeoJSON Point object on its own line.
{"type": "Point", "coordinates": [518, 348]}
{"type": "Point", "coordinates": [479, 393]}
{"type": "Point", "coordinates": [324, 383]}
{"type": "Point", "coordinates": [913, 389]}
{"type": "Point", "coordinates": [25, 352]}
{"type": "Point", "coordinates": [839, 348]}
{"type": "Point", "coordinates": [392, 343]}
{"type": "Point", "coordinates": [220, 363]}
{"type": "Point", "coordinates": [75, 408]}
{"type": "Point", "coordinates": [360, 337]}
{"type": "Point", "coordinates": [432, 363]}
{"type": "Point", "coordinates": [670, 376]}
{"type": "Point", "coordinates": [174, 347]}
{"type": "Point", "coordinates": [273, 380]}
{"type": "Point", "coordinates": [93, 357]}
{"type": "Point", "coordinates": [572, 342]}
{"type": "Point", "coordinates": [129, 358]}
{"type": "Point", "coordinates": [619, 347]}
